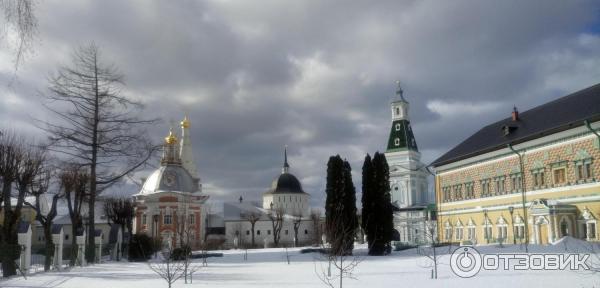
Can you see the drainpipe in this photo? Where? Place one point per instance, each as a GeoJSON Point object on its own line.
{"type": "Point", "coordinates": [587, 124]}
{"type": "Point", "coordinates": [523, 200]}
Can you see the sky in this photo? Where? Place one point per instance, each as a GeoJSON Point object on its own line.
{"type": "Point", "coordinates": [318, 76]}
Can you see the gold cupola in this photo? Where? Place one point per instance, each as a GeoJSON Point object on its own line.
{"type": "Point", "coordinates": [171, 139]}
{"type": "Point", "coordinates": [185, 123]}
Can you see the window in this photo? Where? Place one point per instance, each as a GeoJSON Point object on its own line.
{"type": "Point", "coordinates": [305, 232]}
{"type": "Point", "coordinates": [286, 232]}
{"type": "Point", "coordinates": [397, 141]}
{"type": "Point", "coordinates": [458, 192]}
{"type": "Point", "coordinates": [471, 232]}
{"type": "Point", "coordinates": [257, 232]}
{"type": "Point", "coordinates": [485, 188]}
{"type": "Point", "coordinates": [499, 185]}
{"type": "Point", "coordinates": [447, 194]}
{"type": "Point", "coordinates": [397, 111]}
{"type": "Point", "coordinates": [66, 236]}
{"type": "Point", "coordinates": [469, 191]}
{"type": "Point", "coordinates": [398, 127]}
{"type": "Point", "coordinates": [448, 233]}
{"type": "Point", "coordinates": [167, 219]}
{"type": "Point", "coordinates": [590, 230]}
{"type": "Point", "coordinates": [144, 219]}
{"type": "Point", "coordinates": [538, 178]}
{"type": "Point", "coordinates": [520, 231]}
{"type": "Point", "coordinates": [559, 176]}
{"type": "Point", "coordinates": [502, 230]}
{"type": "Point", "coordinates": [268, 232]}
{"type": "Point", "coordinates": [583, 170]}
{"type": "Point", "coordinates": [247, 232]}
{"type": "Point", "coordinates": [487, 232]}
{"type": "Point", "coordinates": [192, 219]}
{"type": "Point", "coordinates": [459, 233]}
{"type": "Point", "coordinates": [517, 182]}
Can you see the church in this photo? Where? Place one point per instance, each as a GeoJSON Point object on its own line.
{"type": "Point", "coordinates": [413, 206]}
{"type": "Point", "coordinates": [170, 205]}
{"type": "Point", "coordinates": [285, 198]}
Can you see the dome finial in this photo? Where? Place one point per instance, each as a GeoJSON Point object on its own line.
{"type": "Point", "coordinates": [286, 166]}
{"type": "Point", "coordinates": [171, 138]}
{"type": "Point", "coordinates": [399, 91]}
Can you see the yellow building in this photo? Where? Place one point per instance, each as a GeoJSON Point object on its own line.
{"type": "Point", "coordinates": [533, 176]}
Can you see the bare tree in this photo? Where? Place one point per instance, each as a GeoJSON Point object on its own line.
{"type": "Point", "coordinates": [276, 217]}
{"type": "Point", "coordinates": [429, 250]}
{"type": "Point", "coordinates": [296, 221]}
{"type": "Point", "coordinates": [252, 217]}
{"type": "Point", "coordinates": [74, 182]}
{"type": "Point", "coordinates": [20, 163]}
{"type": "Point", "coordinates": [19, 17]}
{"type": "Point", "coordinates": [38, 190]}
{"type": "Point", "coordinates": [337, 254]}
{"type": "Point", "coordinates": [97, 127]}
{"type": "Point", "coordinates": [120, 212]}
{"type": "Point", "coordinates": [168, 267]}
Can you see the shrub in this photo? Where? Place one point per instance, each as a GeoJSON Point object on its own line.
{"type": "Point", "coordinates": [180, 253]}
{"type": "Point", "coordinates": [141, 248]}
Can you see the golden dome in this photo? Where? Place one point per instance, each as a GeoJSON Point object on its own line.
{"type": "Point", "coordinates": [185, 123]}
{"type": "Point", "coordinates": [171, 139]}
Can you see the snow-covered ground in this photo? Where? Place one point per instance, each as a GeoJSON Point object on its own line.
{"type": "Point", "coordinates": [268, 268]}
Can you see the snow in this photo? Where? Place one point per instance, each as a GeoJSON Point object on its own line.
{"type": "Point", "coordinates": [268, 268]}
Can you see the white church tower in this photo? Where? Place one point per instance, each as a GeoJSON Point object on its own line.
{"type": "Point", "coordinates": [408, 177]}
{"type": "Point", "coordinates": [185, 150]}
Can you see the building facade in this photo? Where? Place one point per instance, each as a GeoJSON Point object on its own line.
{"type": "Point", "coordinates": [408, 177]}
{"type": "Point", "coordinates": [532, 177]}
{"type": "Point", "coordinates": [285, 197]}
{"type": "Point", "coordinates": [170, 203]}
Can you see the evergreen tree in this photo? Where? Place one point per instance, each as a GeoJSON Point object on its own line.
{"type": "Point", "coordinates": [367, 198]}
{"type": "Point", "coordinates": [349, 210]}
{"type": "Point", "coordinates": [385, 213]}
{"type": "Point", "coordinates": [340, 206]}
{"type": "Point", "coordinates": [378, 219]}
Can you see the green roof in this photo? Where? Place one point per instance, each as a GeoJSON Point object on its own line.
{"type": "Point", "coordinates": [402, 131]}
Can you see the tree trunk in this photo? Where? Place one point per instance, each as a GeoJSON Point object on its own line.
{"type": "Point", "coordinates": [91, 247]}
{"type": "Point", "coordinates": [49, 246]}
{"type": "Point", "coordinates": [253, 234]}
{"type": "Point", "coordinates": [9, 245]}
{"type": "Point", "coordinates": [74, 248]}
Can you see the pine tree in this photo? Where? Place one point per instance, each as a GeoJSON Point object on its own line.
{"type": "Point", "coordinates": [385, 211]}
{"type": "Point", "coordinates": [349, 210]}
{"type": "Point", "coordinates": [367, 199]}
{"type": "Point", "coordinates": [340, 206]}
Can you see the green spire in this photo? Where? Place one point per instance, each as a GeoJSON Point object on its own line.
{"type": "Point", "coordinates": [401, 137]}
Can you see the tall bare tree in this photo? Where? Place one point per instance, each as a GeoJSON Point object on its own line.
{"type": "Point", "coordinates": [276, 217]}
{"type": "Point", "coordinates": [96, 127]}
{"type": "Point", "coordinates": [252, 217]}
{"type": "Point", "coordinates": [168, 267]}
{"type": "Point", "coordinates": [20, 163]}
{"type": "Point", "coordinates": [39, 190]}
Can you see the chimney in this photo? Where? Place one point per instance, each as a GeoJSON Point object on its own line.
{"type": "Point", "coordinates": [515, 114]}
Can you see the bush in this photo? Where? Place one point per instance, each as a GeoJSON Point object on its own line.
{"type": "Point", "coordinates": [399, 246]}
{"type": "Point", "coordinates": [142, 247]}
{"type": "Point", "coordinates": [181, 253]}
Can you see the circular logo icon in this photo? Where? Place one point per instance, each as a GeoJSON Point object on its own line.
{"type": "Point", "coordinates": [465, 262]}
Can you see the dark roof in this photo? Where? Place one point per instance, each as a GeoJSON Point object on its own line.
{"type": "Point", "coordinates": [402, 131]}
{"type": "Point", "coordinates": [561, 114]}
{"type": "Point", "coordinates": [56, 228]}
{"type": "Point", "coordinates": [285, 183]}
{"type": "Point", "coordinates": [23, 227]}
